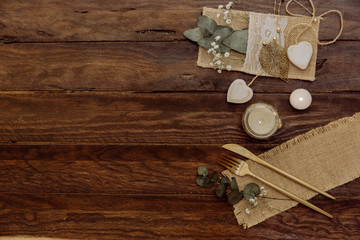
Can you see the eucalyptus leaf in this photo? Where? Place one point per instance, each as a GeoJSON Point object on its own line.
{"type": "Point", "coordinates": [251, 190]}
{"type": "Point", "coordinates": [206, 25]}
{"type": "Point", "coordinates": [193, 34]}
{"type": "Point", "coordinates": [235, 197]}
{"type": "Point", "coordinates": [234, 185]}
{"type": "Point", "coordinates": [221, 189]}
{"type": "Point", "coordinates": [207, 182]}
{"type": "Point", "coordinates": [214, 177]}
{"type": "Point", "coordinates": [237, 41]}
{"type": "Point", "coordinates": [219, 27]}
{"type": "Point", "coordinates": [225, 180]}
{"type": "Point", "coordinates": [203, 171]}
{"type": "Point", "coordinates": [223, 33]}
{"type": "Point", "coordinates": [200, 180]}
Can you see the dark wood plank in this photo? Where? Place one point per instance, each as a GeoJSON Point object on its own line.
{"type": "Point", "coordinates": [169, 217]}
{"type": "Point", "coordinates": [81, 20]}
{"type": "Point", "coordinates": [153, 67]}
{"type": "Point", "coordinates": [154, 154]}
{"type": "Point", "coordinates": [116, 169]}
{"type": "Point", "coordinates": [191, 118]}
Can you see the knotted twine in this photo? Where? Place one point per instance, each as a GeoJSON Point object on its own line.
{"type": "Point", "coordinates": [298, 28]}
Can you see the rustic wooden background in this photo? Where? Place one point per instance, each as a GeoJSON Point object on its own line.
{"type": "Point", "coordinates": [105, 117]}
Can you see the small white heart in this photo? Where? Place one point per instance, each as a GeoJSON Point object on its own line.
{"type": "Point", "coordinates": [300, 55]}
{"type": "Point", "coordinates": [239, 92]}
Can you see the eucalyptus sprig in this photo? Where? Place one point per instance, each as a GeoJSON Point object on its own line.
{"type": "Point", "coordinates": [208, 30]}
{"type": "Point", "coordinates": [234, 195]}
{"type": "Point", "coordinates": [203, 180]}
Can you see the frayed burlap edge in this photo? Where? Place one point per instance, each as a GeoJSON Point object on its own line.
{"type": "Point", "coordinates": [239, 210]}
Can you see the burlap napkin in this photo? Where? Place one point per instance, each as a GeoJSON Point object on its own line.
{"type": "Point", "coordinates": [262, 28]}
{"type": "Point", "coordinates": [326, 157]}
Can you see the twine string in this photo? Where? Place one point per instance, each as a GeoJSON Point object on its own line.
{"type": "Point", "coordinates": [314, 19]}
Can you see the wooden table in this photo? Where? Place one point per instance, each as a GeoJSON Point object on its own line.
{"type": "Point", "coordinates": [105, 117]}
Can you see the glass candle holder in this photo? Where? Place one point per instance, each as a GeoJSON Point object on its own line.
{"type": "Point", "coordinates": [261, 120]}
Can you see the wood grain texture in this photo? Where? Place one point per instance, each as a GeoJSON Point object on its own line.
{"type": "Point", "coordinates": [105, 117]}
{"type": "Point", "coordinates": [192, 118]}
{"type": "Point", "coordinates": [169, 217]}
{"type": "Point", "coordinates": [81, 20]}
{"type": "Point", "coordinates": [117, 170]}
{"type": "Point", "coordinates": [154, 67]}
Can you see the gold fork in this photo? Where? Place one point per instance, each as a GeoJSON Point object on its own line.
{"type": "Point", "coordinates": [241, 168]}
{"type": "Point", "coordinates": [246, 153]}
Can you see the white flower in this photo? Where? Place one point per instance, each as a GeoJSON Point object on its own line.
{"type": "Point", "coordinates": [213, 44]}
{"type": "Point", "coordinates": [218, 62]}
{"type": "Point", "coordinates": [228, 67]}
{"type": "Point", "coordinates": [226, 12]}
{"type": "Point", "coordinates": [264, 192]}
{"type": "Point", "coordinates": [218, 15]}
{"type": "Point", "coordinates": [219, 71]}
{"type": "Point", "coordinates": [217, 38]}
{"type": "Point", "coordinates": [218, 55]}
{"type": "Point", "coordinates": [228, 6]}
{"type": "Point", "coordinates": [216, 46]}
{"type": "Point", "coordinates": [210, 50]}
{"type": "Point", "coordinates": [227, 54]}
{"type": "Point", "coordinates": [263, 212]}
{"type": "Point", "coordinates": [220, 6]}
{"type": "Point", "coordinates": [255, 204]}
{"type": "Point", "coordinates": [228, 21]}
{"type": "Point", "coordinates": [247, 211]}
{"type": "Point", "coordinates": [262, 188]}
{"type": "Point", "coordinates": [251, 200]}
{"type": "Point", "coordinates": [211, 64]}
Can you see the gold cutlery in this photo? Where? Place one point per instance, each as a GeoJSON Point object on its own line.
{"type": "Point", "coordinates": [241, 168]}
{"type": "Point", "coordinates": [247, 154]}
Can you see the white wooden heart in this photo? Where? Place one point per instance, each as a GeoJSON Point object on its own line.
{"type": "Point", "coordinates": [239, 92]}
{"type": "Point", "coordinates": [300, 54]}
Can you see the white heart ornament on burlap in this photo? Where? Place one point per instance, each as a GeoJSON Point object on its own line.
{"type": "Point", "coordinates": [239, 92]}
{"type": "Point", "coordinates": [300, 54]}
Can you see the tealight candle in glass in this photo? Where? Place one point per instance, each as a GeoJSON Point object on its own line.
{"type": "Point", "coordinates": [261, 120]}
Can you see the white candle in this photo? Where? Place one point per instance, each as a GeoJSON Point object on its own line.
{"type": "Point", "coordinates": [261, 121]}
{"type": "Point", "coordinates": [300, 99]}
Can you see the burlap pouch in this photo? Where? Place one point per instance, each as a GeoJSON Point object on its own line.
{"type": "Point", "coordinates": [263, 28]}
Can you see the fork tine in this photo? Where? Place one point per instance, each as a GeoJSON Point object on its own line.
{"type": "Point", "coordinates": [225, 164]}
{"type": "Point", "coordinates": [229, 162]}
{"type": "Point", "coordinates": [237, 160]}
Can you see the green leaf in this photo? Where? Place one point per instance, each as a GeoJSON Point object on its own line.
{"type": "Point", "coordinates": [221, 189]}
{"type": "Point", "coordinates": [237, 41]}
{"type": "Point", "coordinates": [200, 180]}
{"type": "Point", "coordinates": [207, 182]}
{"type": "Point", "coordinates": [223, 33]}
{"type": "Point", "coordinates": [203, 171]}
{"type": "Point", "coordinates": [225, 180]}
{"type": "Point", "coordinates": [251, 190]}
{"type": "Point", "coordinates": [235, 197]}
{"type": "Point", "coordinates": [234, 185]}
{"type": "Point", "coordinates": [206, 25]}
{"type": "Point", "coordinates": [193, 34]}
{"type": "Point", "coordinates": [214, 177]}
{"type": "Point", "coordinates": [219, 27]}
